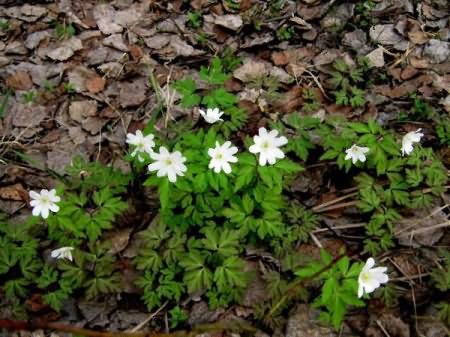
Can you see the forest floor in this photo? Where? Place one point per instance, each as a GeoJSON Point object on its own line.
{"type": "Point", "coordinates": [77, 76]}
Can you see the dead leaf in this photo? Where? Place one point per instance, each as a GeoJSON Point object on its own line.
{"type": "Point", "coordinates": [20, 80]}
{"type": "Point", "coordinates": [95, 84]}
{"type": "Point", "coordinates": [421, 228]}
{"type": "Point", "coordinates": [14, 192]}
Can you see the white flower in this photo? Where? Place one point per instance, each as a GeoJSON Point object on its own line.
{"type": "Point", "coordinates": [44, 202]}
{"type": "Point", "coordinates": [211, 115]}
{"type": "Point", "coordinates": [356, 153]}
{"type": "Point", "coordinates": [141, 143]}
{"type": "Point", "coordinates": [168, 164]}
{"type": "Point", "coordinates": [267, 145]}
{"type": "Point", "coordinates": [62, 253]}
{"type": "Point", "coordinates": [221, 156]}
{"type": "Point", "coordinates": [409, 139]}
{"type": "Point", "coordinates": [371, 278]}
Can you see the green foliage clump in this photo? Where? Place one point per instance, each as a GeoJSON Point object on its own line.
{"type": "Point", "coordinates": [348, 82]}
{"type": "Point", "coordinates": [339, 286]}
{"type": "Point", "coordinates": [214, 97]}
{"type": "Point", "coordinates": [206, 220]}
{"type": "Point", "coordinates": [92, 201]}
{"type": "Point", "coordinates": [64, 30]}
{"type": "Point", "coordinates": [19, 259]}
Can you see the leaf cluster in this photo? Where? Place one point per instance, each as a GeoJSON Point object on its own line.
{"type": "Point", "coordinates": [92, 201]}
{"type": "Point", "coordinates": [215, 96]}
{"type": "Point", "coordinates": [348, 82]}
{"type": "Point", "coordinates": [339, 286]}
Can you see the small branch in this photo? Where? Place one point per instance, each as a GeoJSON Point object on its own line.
{"type": "Point", "coordinates": [331, 202]}
{"type": "Point", "coordinates": [232, 325]}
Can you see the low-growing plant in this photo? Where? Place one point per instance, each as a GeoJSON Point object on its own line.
{"type": "Point", "coordinates": [339, 286]}
{"type": "Point", "coordinates": [214, 97]}
{"type": "Point", "coordinates": [64, 30]}
{"type": "Point", "coordinates": [91, 204]}
{"type": "Point", "coordinates": [29, 96]}
{"type": "Point", "coordinates": [195, 19]}
{"type": "Point", "coordinates": [285, 33]}
{"type": "Point", "coordinates": [349, 82]}
{"type": "Point", "coordinates": [68, 88]}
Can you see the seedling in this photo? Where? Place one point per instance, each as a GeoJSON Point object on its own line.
{"type": "Point", "coordinates": [69, 88]}
{"type": "Point", "coordinates": [29, 96]}
{"type": "Point", "coordinates": [195, 19]}
{"type": "Point", "coordinates": [285, 33]}
{"type": "Point", "coordinates": [64, 30]}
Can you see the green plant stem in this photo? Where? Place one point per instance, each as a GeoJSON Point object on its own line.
{"type": "Point", "coordinates": [299, 283]}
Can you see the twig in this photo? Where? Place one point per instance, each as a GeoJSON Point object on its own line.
{"type": "Point", "coordinates": [148, 319]}
{"type": "Point", "coordinates": [331, 202]}
{"type": "Point", "coordinates": [348, 226]}
{"type": "Point", "coordinates": [31, 325]}
{"type": "Point", "coordinates": [341, 205]}
{"type": "Point", "coordinates": [382, 328]}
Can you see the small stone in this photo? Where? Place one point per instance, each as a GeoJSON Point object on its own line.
{"type": "Point", "coordinates": [356, 39]}
{"type": "Point", "coordinates": [252, 69]}
{"type": "Point", "coordinates": [26, 115]}
{"type": "Point", "coordinates": [376, 57]}
{"type": "Point", "coordinates": [93, 124]}
{"type": "Point", "coordinates": [438, 51]}
{"type": "Point", "coordinates": [16, 47]}
{"type": "Point", "coordinates": [132, 93]}
{"type": "Point", "coordinates": [386, 35]}
{"type": "Point", "coordinates": [35, 38]}
{"type": "Point", "coordinates": [104, 14]}
{"type": "Point", "coordinates": [66, 50]}
{"type": "Point", "coordinates": [229, 21]}
{"type": "Point", "coordinates": [78, 77]}
{"type": "Point", "coordinates": [115, 41]}
{"type": "Point", "coordinates": [79, 110]}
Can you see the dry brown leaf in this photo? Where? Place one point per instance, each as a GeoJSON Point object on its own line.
{"type": "Point", "coordinates": [95, 84]}
{"type": "Point", "coordinates": [20, 81]}
{"type": "Point", "coordinates": [13, 192]}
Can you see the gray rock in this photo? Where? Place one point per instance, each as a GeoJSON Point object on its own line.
{"type": "Point", "coordinates": [93, 124]}
{"type": "Point", "coordinates": [302, 323]}
{"type": "Point", "coordinates": [376, 57]}
{"type": "Point", "coordinates": [229, 21]}
{"type": "Point", "coordinates": [336, 19]}
{"type": "Point", "coordinates": [438, 51]}
{"type": "Point", "coordinates": [252, 69]}
{"type": "Point", "coordinates": [105, 14]}
{"type": "Point", "coordinates": [35, 38]}
{"type": "Point", "coordinates": [132, 93]}
{"type": "Point", "coordinates": [78, 76]}
{"type": "Point", "coordinates": [16, 47]}
{"type": "Point", "coordinates": [356, 39]}
{"type": "Point", "coordinates": [386, 35]}
{"type": "Point", "coordinates": [115, 41]}
{"type": "Point", "coordinates": [26, 115]}
{"type": "Point", "coordinates": [79, 110]}
{"type": "Point", "coordinates": [28, 13]}
{"type": "Point", "coordinates": [66, 50]}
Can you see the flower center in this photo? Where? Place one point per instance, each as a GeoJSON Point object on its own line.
{"type": "Point", "coordinates": [265, 145]}
{"type": "Point", "coordinates": [168, 161]}
{"type": "Point", "coordinates": [45, 200]}
{"type": "Point", "coordinates": [219, 156]}
{"type": "Point", "coordinates": [365, 276]}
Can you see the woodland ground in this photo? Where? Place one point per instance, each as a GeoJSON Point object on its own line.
{"type": "Point", "coordinates": [77, 76]}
